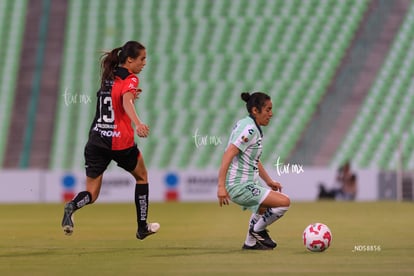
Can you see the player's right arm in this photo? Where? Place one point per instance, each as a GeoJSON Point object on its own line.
{"type": "Point", "coordinates": [228, 156]}
{"type": "Point", "coordinates": [274, 185]}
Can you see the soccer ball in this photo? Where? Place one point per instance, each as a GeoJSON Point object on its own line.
{"type": "Point", "coordinates": [317, 237]}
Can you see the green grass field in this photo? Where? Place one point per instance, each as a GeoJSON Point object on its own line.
{"type": "Point", "coordinates": [204, 239]}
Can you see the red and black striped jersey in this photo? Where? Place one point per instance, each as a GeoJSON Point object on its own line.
{"type": "Point", "coordinates": [111, 128]}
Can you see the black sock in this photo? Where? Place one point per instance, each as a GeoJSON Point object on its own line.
{"type": "Point", "coordinates": [82, 199]}
{"type": "Point", "coordinates": [141, 204]}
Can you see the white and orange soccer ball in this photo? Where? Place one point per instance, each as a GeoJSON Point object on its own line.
{"type": "Point", "coordinates": [317, 237]}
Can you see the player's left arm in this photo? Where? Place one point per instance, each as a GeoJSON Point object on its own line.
{"type": "Point", "coordinates": [129, 107]}
{"type": "Point", "coordinates": [274, 185]}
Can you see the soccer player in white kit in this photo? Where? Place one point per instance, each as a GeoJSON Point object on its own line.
{"type": "Point", "coordinates": [241, 169]}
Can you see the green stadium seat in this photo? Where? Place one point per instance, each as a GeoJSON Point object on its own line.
{"type": "Point", "coordinates": [12, 22]}
{"type": "Point", "coordinates": [385, 115]}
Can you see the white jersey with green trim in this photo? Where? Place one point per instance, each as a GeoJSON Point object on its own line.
{"type": "Point", "coordinates": [247, 137]}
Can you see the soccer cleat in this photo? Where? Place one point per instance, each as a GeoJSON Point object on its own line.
{"type": "Point", "coordinates": [257, 246]}
{"type": "Point", "coordinates": [263, 238]}
{"type": "Point", "coordinates": [67, 221]}
{"type": "Point", "coordinates": [151, 228]}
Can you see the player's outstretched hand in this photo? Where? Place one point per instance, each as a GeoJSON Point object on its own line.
{"type": "Point", "coordinates": [142, 130]}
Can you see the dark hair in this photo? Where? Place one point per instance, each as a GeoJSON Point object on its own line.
{"type": "Point", "coordinates": [110, 60]}
{"type": "Point", "coordinates": [257, 99]}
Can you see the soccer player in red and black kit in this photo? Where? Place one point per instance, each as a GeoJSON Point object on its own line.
{"type": "Point", "coordinates": [111, 136]}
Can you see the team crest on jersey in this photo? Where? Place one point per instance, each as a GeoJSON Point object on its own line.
{"type": "Point", "coordinates": [254, 190]}
{"type": "Point", "coordinates": [244, 139]}
{"type": "Point", "coordinates": [132, 86]}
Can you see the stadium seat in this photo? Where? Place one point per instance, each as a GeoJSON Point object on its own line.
{"type": "Point", "coordinates": [12, 22]}
{"type": "Point", "coordinates": [382, 134]}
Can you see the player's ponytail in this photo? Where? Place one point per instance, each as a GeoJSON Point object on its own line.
{"type": "Point", "coordinates": [117, 56]}
{"type": "Point", "coordinates": [257, 99]}
{"type": "Point", "coordinates": [110, 61]}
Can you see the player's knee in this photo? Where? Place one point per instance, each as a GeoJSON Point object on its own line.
{"type": "Point", "coordinates": [285, 202]}
{"type": "Point", "coordinates": [277, 200]}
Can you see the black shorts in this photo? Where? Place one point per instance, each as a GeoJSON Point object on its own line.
{"type": "Point", "coordinates": [97, 159]}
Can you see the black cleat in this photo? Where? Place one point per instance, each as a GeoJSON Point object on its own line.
{"type": "Point", "coordinates": [257, 246]}
{"type": "Point", "coordinates": [151, 228]}
{"type": "Point", "coordinates": [263, 238]}
{"type": "Point", "coordinates": [67, 221]}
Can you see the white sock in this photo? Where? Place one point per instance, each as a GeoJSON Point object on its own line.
{"type": "Point", "coordinates": [270, 216]}
{"type": "Point", "coordinates": [250, 240]}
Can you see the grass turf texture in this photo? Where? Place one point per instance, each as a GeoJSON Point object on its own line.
{"type": "Point", "coordinates": [204, 239]}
